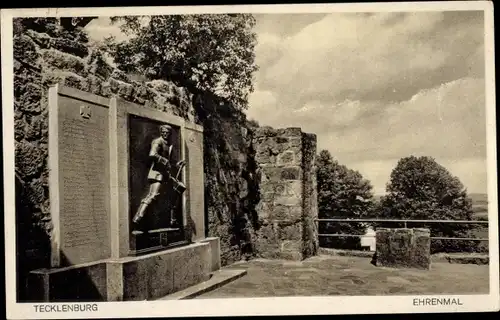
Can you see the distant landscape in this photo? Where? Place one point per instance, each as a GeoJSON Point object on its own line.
{"type": "Point", "coordinates": [479, 205]}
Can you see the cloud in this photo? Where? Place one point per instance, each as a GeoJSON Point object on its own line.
{"type": "Point", "coordinates": [101, 28]}
{"type": "Point", "coordinates": [447, 122]}
{"type": "Point", "coordinates": [378, 87]}
{"type": "Point", "coordinates": [384, 57]}
{"type": "Point", "coordinates": [268, 49]}
{"type": "Point", "coordinates": [285, 25]}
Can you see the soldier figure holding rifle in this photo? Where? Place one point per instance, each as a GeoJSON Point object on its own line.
{"type": "Point", "coordinates": [159, 175]}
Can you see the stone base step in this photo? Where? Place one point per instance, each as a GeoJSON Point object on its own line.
{"type": "Point", "coordinates": [153, 231]}
{"type": "Point", "coordinates": [217, 280]}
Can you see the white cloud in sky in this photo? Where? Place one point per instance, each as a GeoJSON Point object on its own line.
{"type": "Point", "coordinates": [382, 57]}
{"type": "Point", "coordinates": [101, 28]}
{"type": "Point", "coordinates": [376, 88]}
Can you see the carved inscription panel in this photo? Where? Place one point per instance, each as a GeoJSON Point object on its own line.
{"type": "Point", "coordinates": [195, 193]}
{"type": "Point", "coordinates": [84, 181]}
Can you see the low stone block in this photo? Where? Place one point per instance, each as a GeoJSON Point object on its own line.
{"type": "Point", "coordinates": [114, 282]}
{"type": "Point", "coordinates": [214, 243]}
{"type": "Point", "coordinates": [86, 282]}
{"type": "Point", "coordinates": [155, 275]}
{"type": "Point", "coordinates": [403, 248]}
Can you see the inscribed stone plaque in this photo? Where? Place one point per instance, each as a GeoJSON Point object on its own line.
{"type": "Point", "coordinates": [84, 179]}
{"type": "Point", "coordinates": [195, 197]}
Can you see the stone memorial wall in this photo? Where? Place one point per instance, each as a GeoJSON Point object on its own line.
{"type": "Point", "coordinates": [92, 235]}
{"type": "Point", "coordinates": [46, 54]}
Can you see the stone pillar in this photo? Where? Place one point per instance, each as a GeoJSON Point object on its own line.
{"type": "Point", "coordinates": [310, 242]}
{"type": "Point", "coordinates": [403, 248]}
{"type": "Point", "coordinates": [288, 206]}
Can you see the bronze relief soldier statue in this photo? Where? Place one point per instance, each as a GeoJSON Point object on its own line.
{"type": "Point", "coordinates": [159, 175]}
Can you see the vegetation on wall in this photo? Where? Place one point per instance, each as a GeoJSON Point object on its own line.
{"type": "Point", "coordinates": [208, 52]}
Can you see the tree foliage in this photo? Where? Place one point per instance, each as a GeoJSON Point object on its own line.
{"type": "Point", "coordinates": [209, 52]}
{"type": "Point", "coordinates": [420, 188]}
{"type": "Point", "coordinates": [342, 193]}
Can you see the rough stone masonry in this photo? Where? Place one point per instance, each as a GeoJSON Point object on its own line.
{"type": "Point", "coordinates": [288, 208]}
{"type": "Point", "coordinates": [403, 248]}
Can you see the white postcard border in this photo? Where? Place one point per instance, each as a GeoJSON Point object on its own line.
{"type": "Point", "coordinates": [250, 306]}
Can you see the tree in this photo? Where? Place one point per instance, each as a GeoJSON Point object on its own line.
{"type": "Point", "coordinates": [209, 52]}
{"type": "Point", "coordinates": [420, 188]}
{"type": "Point", "coordinates": [342, 193]}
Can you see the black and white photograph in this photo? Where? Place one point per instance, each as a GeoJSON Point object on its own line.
{"type": "Point", "coordinates": [250, 160]}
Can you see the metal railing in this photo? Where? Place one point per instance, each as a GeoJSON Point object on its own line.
{"type": "Point", "coordinates": [403, 221]}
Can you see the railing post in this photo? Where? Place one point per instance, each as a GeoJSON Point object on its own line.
{"type": "Point", "coordinates": [406, 225]}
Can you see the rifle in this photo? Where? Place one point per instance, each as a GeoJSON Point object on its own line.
{"type": "Point", "coordinates": [178, 186]}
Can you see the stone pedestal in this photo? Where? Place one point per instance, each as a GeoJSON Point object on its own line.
{"type": "Point", "coordinates": [145, 277]}
{"type": "Point", "coordinates": [403, 248]}
{"type": "Point", "coordinates": [155, 240]}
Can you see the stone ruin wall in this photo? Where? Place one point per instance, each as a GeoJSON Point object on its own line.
{"type": "Point", "coordinates": [46, 54]}
{"type": "Point", "coordinates": [288, 206]}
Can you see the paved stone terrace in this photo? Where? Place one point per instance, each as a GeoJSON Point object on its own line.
{"type": "Point", "coordinates": [338, 275]}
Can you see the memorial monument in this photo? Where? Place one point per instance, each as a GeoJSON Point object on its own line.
{"type": "Point", "coordinates": [126, 201]}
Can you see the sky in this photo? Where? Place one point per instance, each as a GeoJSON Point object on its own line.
{"type": "Point", "coordinates": [375, 87]}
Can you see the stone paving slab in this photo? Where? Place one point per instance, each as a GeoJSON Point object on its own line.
{"type": "Point", "coordinates": [350, 276]}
